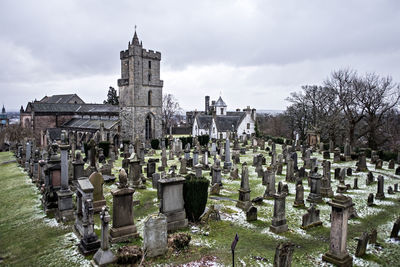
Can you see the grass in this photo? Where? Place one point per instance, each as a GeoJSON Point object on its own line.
{"type": "Point", "coordinates": [29, 237]}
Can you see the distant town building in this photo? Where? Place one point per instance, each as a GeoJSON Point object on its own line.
{"type": "Point", "coordinates": [216, 121]}
{"type": "Point", "coordinates": [140, 93]}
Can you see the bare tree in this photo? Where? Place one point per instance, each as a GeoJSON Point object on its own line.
{"type": "Point", "coordinates": [171, 111]}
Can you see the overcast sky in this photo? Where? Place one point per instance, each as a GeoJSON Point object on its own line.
{"type": "Point", "coordinates": [252, 52]}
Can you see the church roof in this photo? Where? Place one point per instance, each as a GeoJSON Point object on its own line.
{"type": "Point", "coordinates": [90, 124]}
{"type": "Point", "coordinates": [220, 103]}
{"type": "Point", "coordinates": [72, 108]}
{"type": "Point", "coordinates": [225, 123]}
{"type": "Point", "coordinates": [60, 99]}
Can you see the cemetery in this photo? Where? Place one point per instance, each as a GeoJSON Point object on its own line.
{"type": "Point", "coordinates": [308, 214]}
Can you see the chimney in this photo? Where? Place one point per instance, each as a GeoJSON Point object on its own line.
{"type": "Point", "coordinates": [207, 102]}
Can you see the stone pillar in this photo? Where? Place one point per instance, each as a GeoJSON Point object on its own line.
{"type": "Point", "coordinates": [65, 205]}
{"type": "Point", "coordinates": [244, 191]}
{"type": "Point", "coordinates": [195, 157]}
{"type": "Point", "coordinates": [278, 224]}
{"type": "Point", "coordinates": [104, 255]}
{"type": "Point", "coordinates": [337, 253]}
{"type": "Point", "coordinates": [171, 202]}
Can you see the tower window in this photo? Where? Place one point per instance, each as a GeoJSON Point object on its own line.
{"type": "Point", "coordinates": [149, 98]}
{"type": "Point", "coordinates": [149, 77]}
{"type": "Point", "coordinates": [222, 111]}
{"type": "Point", "coordinates": [149, 64]}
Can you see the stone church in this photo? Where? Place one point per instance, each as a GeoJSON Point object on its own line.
{"type": "Point", "coordinates": [140, 93]}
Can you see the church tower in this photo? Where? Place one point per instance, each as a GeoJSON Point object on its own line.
{"type": "Point", "coordinates": [140, 93]}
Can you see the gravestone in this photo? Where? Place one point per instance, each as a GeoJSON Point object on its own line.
{"type": "Point", "coordinates": [216, 173]}
{"type": "Point", "coordinates": [362, 244]}
{"type": "Point", "coordinates": [302, 172]}
{"type": "Point", "coordinates": [278, 224]}
{"type": "Point", "coordinates": [104, 255]}
{"type": "Point", "coordinates": [370, 178]}
{"type": "Point", "coordinates": [155, 236]}
{"type": "Point", "coordinates": [244, 191]}
{"type": "Point", "coordinates": [96, 179]}
{"type": "Point", "coordinates": [337, 174]}
{"type": "Point", "coordinates": [270, 183]}
{"type": "Point", "coordinates": [397, 170]}
{"type": "Point", "coordinates": [52, 181]}
{"type": "Point", "coordinates": [311, 218]}
{"type": "Point", "coordinates": [171, 202]}
{"type": "Point", "coordinates": [283, 255]}
{"type": "Point", "coordinates": [378, 164]}
{"type": "Point", "coordinates": [326, 155]}
{"type": "Point", "coordinates": [65, 210]}
{"type": "Point", "coordinates": [390, 190]}
{"type": "Point", "coordinates": [380, 194]}
{"type": "Point", "coordinates": [151, 167]}
{"type": "Point", "coordinates": [315, 189]}
{"type": "Point", "coordinates": [155, 178]}
{"type": "Point", "coordinates": [395, 230]}
{"type": "Point", "coordinates": [391, 164]}
{"type": "Point", "coordinates": [373, 236]}
{"type": "Point", "coordinates": [123, 228]}
{"type": "Point", "coordinates": [227, 163]}
{"type": "Point", "coordinates": [337, 253]}
{"type": "Point", "coordinates": [370, 200]}
{"type": "Point", "coordinates": [355, 184]}
{"type": "Point", "coordinates": [336, 155]}
{"type": "Point", "coordinates": [183, 169]}
{"type": "Point", "coordinates": [251, 214]}
{"type": "Point", "coordinates": [290, 171]}
{"type": "Point", "coordinates": [299, 200]}
{"type": "Point", "coordinates": [362, 162]}
{"type": "Point", "coordinates": [349, 172]}
{"type": "Point", "coordinates": [396, 188]}
{"type": "Point", "coordinates": [89, 243]}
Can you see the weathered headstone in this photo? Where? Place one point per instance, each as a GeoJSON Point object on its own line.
{"type": "Point", "coordinates": [171, 202]}
{"type": "Point", "coordinates": [278, 224]}
{"type": "Point", "coordinates": [244, 191]}
{"type": "Point", "coordinates": [395, 230]}
{"type": "Point", "coordinates": [299, 200]}
{"type": "Point", "coordinates": [155, 236]}
{"type": "Point", "coordinates": [362, 244]}
{"type": "Point", "coordinates": [283, 255]}
{"type": "Point", "coordinates": [391, 164]}
{"type": "Point", "coordinates": [251, 214]}
{"type": "Point", "coordinates": [89, 242]}
{"type": "Point", "coordinates": [370, 200]}
{"type": "Point", "coordinates": [315, 189]}
{"type": "Point", "coordinates": [96, 179]}
{"type": "Point", "coordinates": [337, 253]}
{"type": "Point", "coordinates": [65, 210]}
{"type": "Point", "coordinates": [380, 194]}
{"type": "Point", "coordinates": [311, 218]}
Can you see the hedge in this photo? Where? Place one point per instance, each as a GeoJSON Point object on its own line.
{"type": "Point", "coordinates": [195, 195]}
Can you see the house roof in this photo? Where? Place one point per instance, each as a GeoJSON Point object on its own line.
{"type": "Point", "coordinates": [60, 99]}
{"type": "Point", "coordinates": [71, 108]}
{"type": "Point", "coordinates": [220, 103]}
{"type": "Point", "coordinates": [204, 121]}
{"type": "Point", "coordinates": [91, 124]}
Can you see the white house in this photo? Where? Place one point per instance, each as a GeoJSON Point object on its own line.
{"type": "Point", "coordinates": [217, 121]}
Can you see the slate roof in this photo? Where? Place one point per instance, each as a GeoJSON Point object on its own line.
{"type": "Point", "coordinates": [224, 123]}
{"type": "Point", "coordinates": [220, 103]}
{"type": "Point", "coordinates": [60, 99]}
{"type": "Point", "coordinates": [72, 108]}
{"type": "Point", "coordinates": [204, 121]}
{"type": "Point", "coordinates": [91, 124]}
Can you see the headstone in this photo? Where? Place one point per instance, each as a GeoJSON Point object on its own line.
{"type": "Point", "coordinates": [278, 224]}
{"type": "Point", "coordinates": [311, 218]}
{"type": "Point", "coordinates": [396, 188]}
{"type": "Point", "coordinates": [183, 169]}
{"type": "Point", "coordinates": [355, 184]}
{"type": "Point", "coordinates": [315, 189]}
{"type": "Point", "coordinates": [370, 201]}
{"type": "Point", "coordinates": [244, 191]}
{"type": "Point", "coordinates": [135, 173]}
{"type": "Point", "coordinates": [337, 253]}
{"type": "Point", "coordinates": [251, 214]}
{"type": "Point", "coordinates": [391, 164]}
{"type": "Point", "coordinates": [397, 170]}
{"type": "Point", "coordinates": [155, 178]}
{"type": "Point", "coordinates": [299, 200]}
{"type": "Point", "coordinates": [378, 164]}
{"type": "Point", "coordinates": [283, 255]}
{"type": "Point", "coordinates": [89, 242]}
{"type": "Point", "coordinates": [362, 162]}
{"type": "Point", "coordinates": [370, 178]}
{"type": "Point", "coordinates": [290, 171]}
{"type": "Point", "coordinates": [96, 179]}
{"type": "Point", "coordinates": [336, 155]}
{"type": "Point", "coordinates": [151, 167]}
{"type": "Point", "coordinates": [373, 236]}
{"type": "Point", "coordinates": [216, 173]}
{"type": "Point", "coordinates": [123, 228]}
{"type": "Point", "coordinates": [171, 202]}
{"type": "Point", "coordinates": [349, 172]}
{"type": "Point", "coordinates": [395, 230]}
{"type": "Point", "coordinates": [337, 174]}
{"type": "Point", "coordinates": [380, 194]}
{"type": "Point", "coordinates": [227, 163]}
{"type": "Point", "coordinates": [270, 183]}
{"type": "Point", "coordinates": [390, 190]}
{"type": "Point", "coordinates": [326, 155]}
{"type": "Point", "coordinates": [65, 205]}
{"type": "Point", "coordinates": [155, 236]}
{"type": "Point", "coordinates": [362, 244]}
{"type": "Point", "coordinates": [104, 255]}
